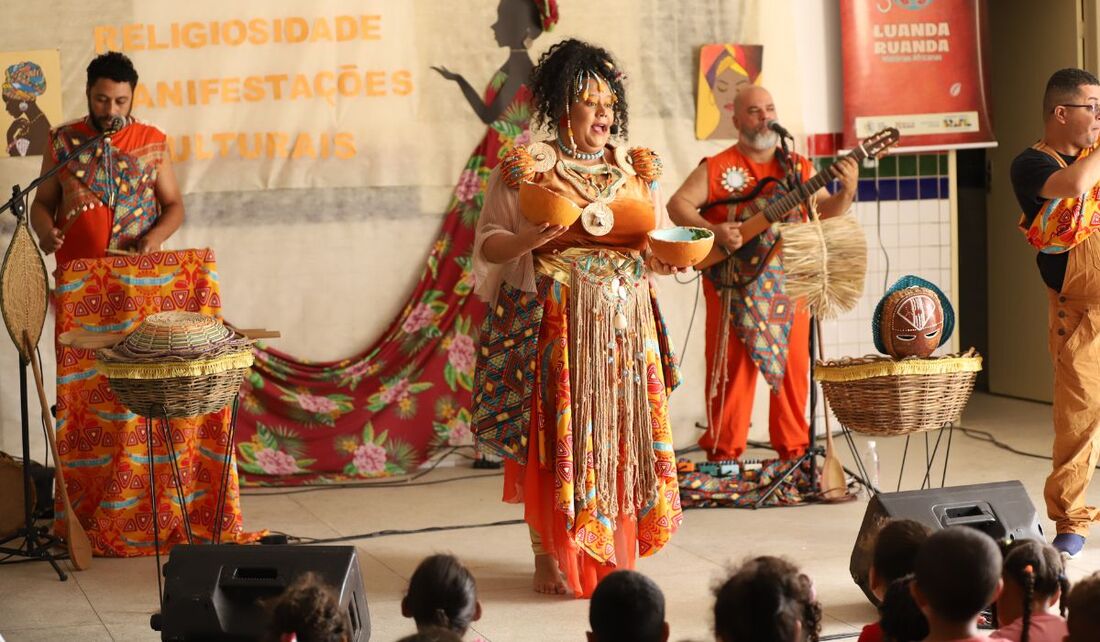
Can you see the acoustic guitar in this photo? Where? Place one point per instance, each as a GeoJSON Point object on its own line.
{"type": "Point", "coordinates": [758, 216]}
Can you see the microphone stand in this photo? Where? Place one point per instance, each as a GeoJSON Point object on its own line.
{"type": "Point", "coordinates": [794, 183]}
{"type": "Point", "coordinates": [36, 541]}
{"type": "Point", "coordinates": [18, 201]}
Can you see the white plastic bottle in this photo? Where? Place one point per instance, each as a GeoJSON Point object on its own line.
{"type": "Point", "coordinates": [870, 462]}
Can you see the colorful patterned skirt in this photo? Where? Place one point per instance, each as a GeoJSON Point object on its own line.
{"type": "Point", "coordinates": [103, 446]}
{"type": "Point", "coordinates": [595, 469]}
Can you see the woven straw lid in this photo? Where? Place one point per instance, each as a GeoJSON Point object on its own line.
{"type": "Point", "coordinates": [176, 344]}
{"type": "Point", "coordinates": [176, 332]}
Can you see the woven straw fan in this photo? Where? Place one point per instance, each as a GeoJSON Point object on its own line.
{"type": "Point", "coordinates": [825, 262]}
{"type": "Point", "coordinates": [23, 299]}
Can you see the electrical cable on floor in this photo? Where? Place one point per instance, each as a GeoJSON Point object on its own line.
{"type": "Point", "coordinates": [414, 531]}
{"type": "Point", "coordinates": [986, 436]}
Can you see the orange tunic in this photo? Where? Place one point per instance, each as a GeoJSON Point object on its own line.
{"type": "Point", "coordinates": [769, 334]}
{"type": "Point", "coordinates": [107, 193]}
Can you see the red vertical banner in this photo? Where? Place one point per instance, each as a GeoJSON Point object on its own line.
{"type": "Point", "coordinates": [920, 66]}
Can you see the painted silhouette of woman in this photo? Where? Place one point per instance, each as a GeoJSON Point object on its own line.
{"type": "Point", "coordinates": [23, 83]}
{"type": "Point", "coordinates": [417, 377]}
{"type": "Point", "coordinates": [518, 23]}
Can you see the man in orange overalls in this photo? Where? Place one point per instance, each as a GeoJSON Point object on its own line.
{"type": "Point", "coordinates": [754, 325]}
{"type": "Point", "coordinates": [1055, 182]}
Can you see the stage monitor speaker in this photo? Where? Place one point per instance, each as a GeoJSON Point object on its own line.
{"type": "Point", "coordinates": [1000, 509]}
{"type": "Point", "coordinates": [217, 592]}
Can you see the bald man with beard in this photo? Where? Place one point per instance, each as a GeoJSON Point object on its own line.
{"type": "Point", "coordinates": [752, 325]}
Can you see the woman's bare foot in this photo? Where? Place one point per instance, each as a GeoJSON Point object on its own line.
{"type": "Point", "coordinates": [548, 578]}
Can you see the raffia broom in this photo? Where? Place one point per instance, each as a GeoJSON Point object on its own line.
{"type": "Point", "coordinates": [825, 262]}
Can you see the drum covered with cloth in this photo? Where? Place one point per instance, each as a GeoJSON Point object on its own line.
{"type": "Point", "coordinates": [104, 444]}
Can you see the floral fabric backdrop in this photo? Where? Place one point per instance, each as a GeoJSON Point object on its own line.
{"type": "Point", "coordinates": [382, 412]}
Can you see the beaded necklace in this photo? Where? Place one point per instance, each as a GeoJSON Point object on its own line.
{"type": "Point", "coordinates": [596, 217]}
{"type": "Point", "coordinates": [578, 154]}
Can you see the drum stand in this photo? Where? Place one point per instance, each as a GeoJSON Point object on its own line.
{"type": "Point", "coordinates": [223, 486]}
{"type": "Point", "coordinates": [37, 541]}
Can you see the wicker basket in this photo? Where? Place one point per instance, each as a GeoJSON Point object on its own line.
{"type": "Point", "coordinates": [179, 396]}
{"type": "Point", "coordinates": [177, 364]}
{"type": "Point", "coordinates": [880, 396]}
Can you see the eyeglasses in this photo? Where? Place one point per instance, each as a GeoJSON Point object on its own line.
{"type": "Point", "coordinates": [1094, 108]}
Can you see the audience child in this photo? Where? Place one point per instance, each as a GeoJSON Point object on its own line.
{"type": "Point", "coordinates": [442, 593]}
{"type": "Point", "coordinates": [627, 607]}
{"type": "Point", "coordinates": [1034, 582]}
{"type": "Point", "coordinates": [767, 599]}
{"type": "Point", "coordinates": [900, 618]}
{"type": "Point", "coordinates": [893, 555]}
{"type": "Point", "coordinates": [308, 611]}
{"type": "Point", "coordinates": [958, 573]}
{"type": "Point", "coordinates": [432, 634]}
{"type": "Point", "coordinates": [1083, 610]}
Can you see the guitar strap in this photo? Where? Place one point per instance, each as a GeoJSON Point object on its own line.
{"type": "Point", "coordinates": [750, 284]}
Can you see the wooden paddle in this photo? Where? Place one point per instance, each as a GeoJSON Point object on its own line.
{"type": "Point", "coordinates": [87, 340]}
{"type": "Point", "coordinates": [80, 549]}
{"type": "Point", "coordinates": [834, 485]}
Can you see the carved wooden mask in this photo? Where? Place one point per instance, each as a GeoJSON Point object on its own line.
{"type": "Point", "coordinates": [911, 323]}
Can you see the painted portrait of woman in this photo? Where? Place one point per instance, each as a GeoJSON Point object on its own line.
{"type": "Point", "coordinates": [723, 71]}
{"type": "Point", "coordinates": [23, 84]}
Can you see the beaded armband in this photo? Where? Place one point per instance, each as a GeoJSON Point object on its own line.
{"type": "Point", "coordinates": [517, 166]}
{"type": "Point", "coordinates": [646, 163]}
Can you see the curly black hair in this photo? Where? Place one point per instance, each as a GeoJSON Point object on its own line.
{"type": "Point", "coordinates": [553, 80]}
{"type": "Point", "coordinates": [310, 609]}
{"type": "Point", "coordinates": [763, 600]}
{"type": "Point", "coordinates": [112, 65]}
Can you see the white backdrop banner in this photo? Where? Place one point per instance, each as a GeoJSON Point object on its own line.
{"type": "Point", "coordinates": [273, 94]}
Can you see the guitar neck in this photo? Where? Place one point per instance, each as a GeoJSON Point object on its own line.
{"type": "Point", "coordinates": [777, 209]}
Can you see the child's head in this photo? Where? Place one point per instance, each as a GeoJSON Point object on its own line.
{"type": "Point", "coordinates": [442, 593]}
{"type": "Point", "coordinates": [432, 634]}
{"type": "Point", "coordinates": [308, 611]}
{"type": "Point", "coordinates": [1033, 580]}
{"type": "Point", "coordinates": [1083, 606]}
{"type": "Point", "coordinates": [899, 616]}
{"type": "Point", "coordinates": [958, 573]}
{"type": "Point", "coordinates": [895, 551]}
{"type": "Point", "coordinates": [767, 599]}
{"type": "Point", "coordinates": [627, 607]}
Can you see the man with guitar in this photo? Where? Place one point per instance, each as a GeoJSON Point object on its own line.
{"type": "Point", "coordinates": [1057, 184]}
{"type": "Point", "coordinates": [751, 323]}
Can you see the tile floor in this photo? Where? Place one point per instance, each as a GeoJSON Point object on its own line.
{"type": "Point", "coordinates": [113, 599]}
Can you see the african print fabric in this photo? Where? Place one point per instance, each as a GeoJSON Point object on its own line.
{"type": "Point", "coordinates": [103, 446]}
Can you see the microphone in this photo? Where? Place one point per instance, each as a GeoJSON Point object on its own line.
{"type": "Point", "coordinates": [117, 123]}
{"type": "Point", "coordinates": [779, 129]}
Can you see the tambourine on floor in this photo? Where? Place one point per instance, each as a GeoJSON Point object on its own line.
{"type": "Point", "coordinates": [880, 396]}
